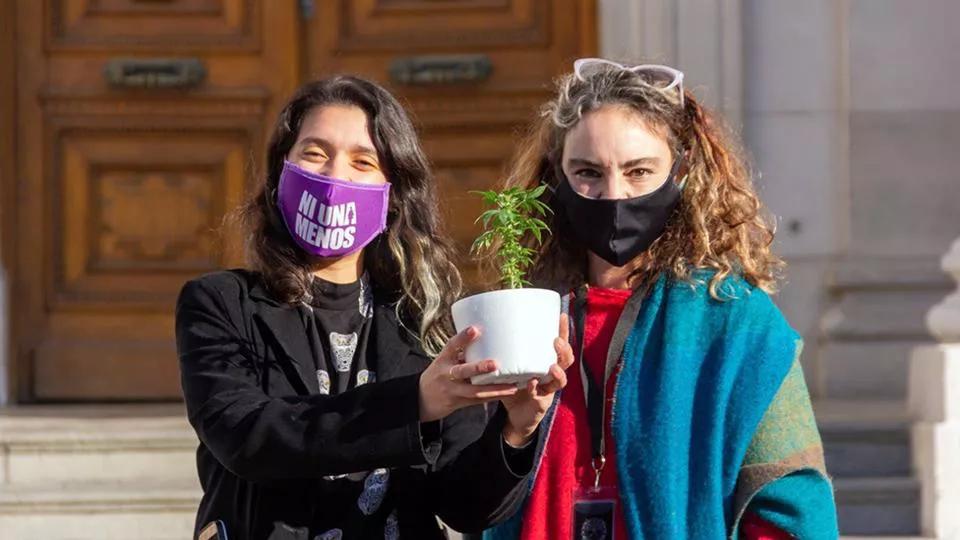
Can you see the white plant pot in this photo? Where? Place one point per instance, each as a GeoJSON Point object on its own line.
{"type": "Point", "coordinates": [517, 329]}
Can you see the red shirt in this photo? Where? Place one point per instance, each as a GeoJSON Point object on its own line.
{"type": "Point", "coordinates": [566, 464]}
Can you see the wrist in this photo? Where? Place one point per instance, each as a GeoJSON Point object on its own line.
{"type": "Point", "coordinates": [426, 415]}
{"type": "Point", "coordinates": [517, 437]}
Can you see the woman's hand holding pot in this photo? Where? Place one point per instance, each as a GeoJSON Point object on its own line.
{"type": "Point", "coordinates": [445, 384]}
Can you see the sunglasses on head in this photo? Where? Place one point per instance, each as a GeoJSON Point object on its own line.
{"type": "Point", "coordinates": [663, 78]}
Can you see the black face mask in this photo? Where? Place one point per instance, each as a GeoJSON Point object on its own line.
{"type": "Point", "coordinates": [618, 230]}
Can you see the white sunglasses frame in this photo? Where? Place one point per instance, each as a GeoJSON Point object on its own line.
{"type": "Point", "coordinates": [675, 73]}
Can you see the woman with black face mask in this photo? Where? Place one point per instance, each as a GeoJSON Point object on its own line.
{"type": "Point", "coordinates": [686, 414]}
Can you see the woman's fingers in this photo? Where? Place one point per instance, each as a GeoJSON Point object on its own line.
{"type": "Point", "coordinates": [558, 379]}
{"type": "Point", "coordinates": [565, 327]}
{"type": "Point", "coordinates": [490, 392]}
{"type": "Point", "coordinates": [564, 353]}
{"type": "Point", "coordinates": [461, 372]}
{"type": "Point", "coordinates": [458, 343]}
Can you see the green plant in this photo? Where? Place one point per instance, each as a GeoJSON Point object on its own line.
{"type": "Point", "coordinates": [514, 214]}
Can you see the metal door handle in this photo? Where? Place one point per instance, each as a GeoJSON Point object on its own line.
{"type": "Point", "coordinates": [441, 69]}
{"type": "Point", "coordinates": [154, 72]}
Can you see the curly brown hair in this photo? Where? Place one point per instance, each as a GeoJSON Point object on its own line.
{"type": "Point", "coordinates": [719, 223]}
{"type": "Point", "coordinates": [412, 262]}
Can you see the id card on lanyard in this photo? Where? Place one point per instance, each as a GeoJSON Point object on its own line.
{"type": "Point", "coordinates": [594, 507]}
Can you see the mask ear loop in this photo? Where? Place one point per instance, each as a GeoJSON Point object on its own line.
{"type": "Point", "coordinates": [274, 201]}
{"type": "Point", "coordinates": [676, 169]}
{"type": "Point", "coordinates": [558, 176]}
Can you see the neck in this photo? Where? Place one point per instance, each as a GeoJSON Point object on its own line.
{"type": "Point", "coordinates": [600, 273]}
{"type": "Point", "coordinates": [346, 269]}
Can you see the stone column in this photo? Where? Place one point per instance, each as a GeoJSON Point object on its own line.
{"type": "Point", "coordinates": [703, 38]}
{"type": "Point", "coordinates": [934, 394]}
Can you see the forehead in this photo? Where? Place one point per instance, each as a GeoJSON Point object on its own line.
{"type": "Point", "coordinates": [336, 123]}
{"type": "Point", "coordinates": [615, 131]}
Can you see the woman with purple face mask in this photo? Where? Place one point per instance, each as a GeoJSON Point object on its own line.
{"type": "Point", "coordinates": [328, 395]}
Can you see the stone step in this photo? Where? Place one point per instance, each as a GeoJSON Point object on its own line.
{"type": "Point", "coordinates": [878, 316]}
{"type": "Point", "coordinates": [865, 438]}
{"type": "Point", "coordinates": [129, 471]}
{"type": "Point", "coordinates": [878, 506]}
{"type": "Point", "coordinates": [97, 443]}
{"type": "Point", "coordinates": [866, 369]}
{"type": "Point", "coordinates": [99, 510]}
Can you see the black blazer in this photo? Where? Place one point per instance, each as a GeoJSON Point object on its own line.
{"type": "Point", "coordinates": [267, 436]}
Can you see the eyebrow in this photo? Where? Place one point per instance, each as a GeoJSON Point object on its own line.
{"type": "Point", "coordinates": [654, 161]}
{"type": "Point", "coordinates": [325, 143]}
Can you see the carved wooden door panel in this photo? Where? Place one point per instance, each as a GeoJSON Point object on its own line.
{"type": "Point", "coordinates": [140, 125]}
{"type": "Point", "coordinates": [471, 71]}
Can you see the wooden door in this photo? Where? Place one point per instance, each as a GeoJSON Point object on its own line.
{"type": "Point", "coordinates": [140, 123]}
{"type": "Point", "coordinates": [470, 71]}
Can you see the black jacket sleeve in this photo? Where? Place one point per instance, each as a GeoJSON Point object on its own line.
{"type": "Point", "coordinates": [263, 438]}
{"type": "Point", "coordinates": [472, 485]}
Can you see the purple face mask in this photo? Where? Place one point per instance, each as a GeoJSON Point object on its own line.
{"type": "Point", "coordinates": [328, 217]}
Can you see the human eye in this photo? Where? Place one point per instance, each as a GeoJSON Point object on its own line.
{"type": "Point", "coordinates": [314, 152]}
{"type": "Point", "coordinates": [640, 172]}
{"type": "Point", "coordinates": [365, 164]}
{"type": "Point", "coordinates": [587, 173]}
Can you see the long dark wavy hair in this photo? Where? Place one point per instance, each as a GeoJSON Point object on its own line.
{"type": "Point", "coordinates": [412, 262]}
